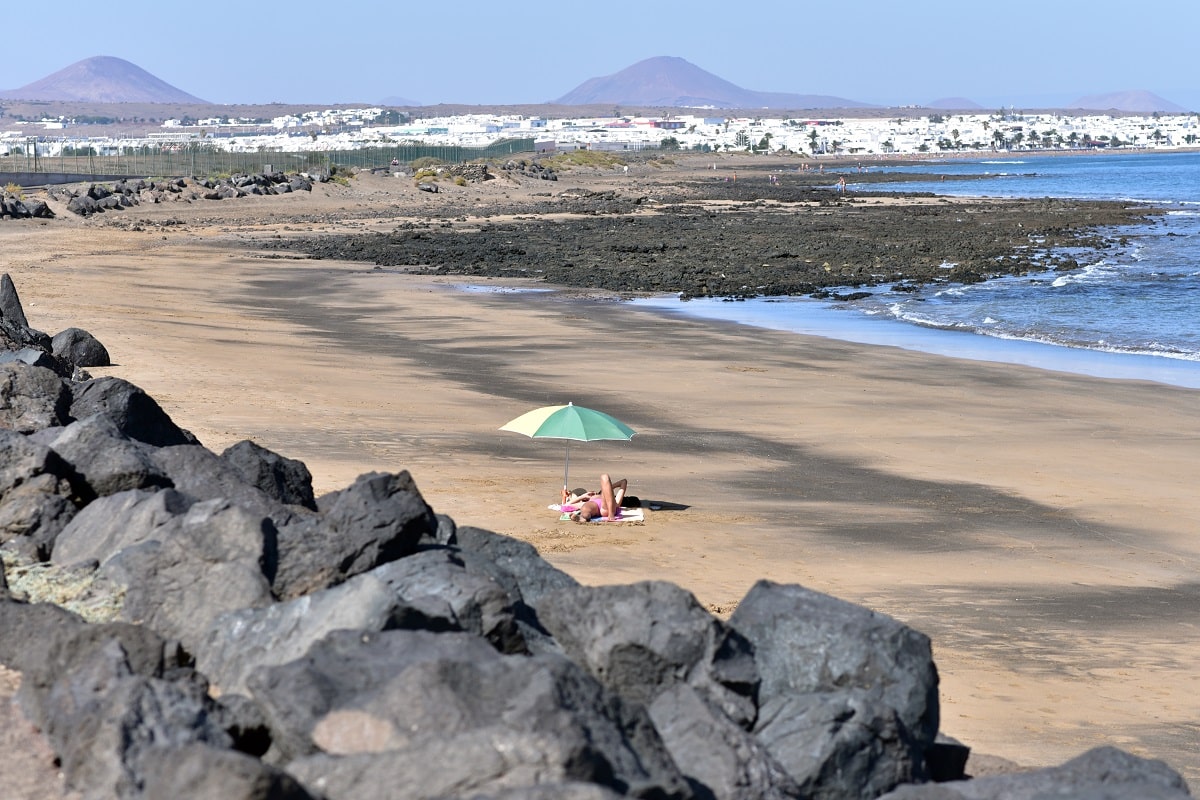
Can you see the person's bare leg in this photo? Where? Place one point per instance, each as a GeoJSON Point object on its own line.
{"type": "Point", "coordinates": [608, 504]}
{"type": "Point", "coordinates": [620, 488]}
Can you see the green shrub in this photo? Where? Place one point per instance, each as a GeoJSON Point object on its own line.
{"type": "Point", "coordinates": [583, 158]}
{"type": "Point", "coordinates": [425, 162]}
{"type": "Point", "coordinates": [341, 175]}
{"type": "Point", "coordinates": [425, 175]}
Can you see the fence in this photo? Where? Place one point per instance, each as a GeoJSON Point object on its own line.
{"type": "Point", "coordinates": [180, 160]}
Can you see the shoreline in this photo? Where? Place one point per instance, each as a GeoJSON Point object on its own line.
{"type": "Point", "coordinates": [1039, 526]}
{"type": "Point", "coordinates": [816, 318]}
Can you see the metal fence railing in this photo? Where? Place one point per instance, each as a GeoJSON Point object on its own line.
{"type": "Point", "coordinates": [189, 159]}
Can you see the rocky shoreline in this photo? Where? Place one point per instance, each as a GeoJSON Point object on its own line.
{"type": "Point", "coordinates": [760, 229]}
{"type": "Point", "coordinates": [742, 238]}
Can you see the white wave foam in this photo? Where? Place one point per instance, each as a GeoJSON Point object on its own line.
{"type": "Point", "coordinates": [1154, 349]}
{"type": "Point", "coordinates": [925, 321]}
{"type": "Point", "coordinates": [1093, 273]}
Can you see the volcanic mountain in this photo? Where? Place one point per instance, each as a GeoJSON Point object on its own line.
{"type": "Point", "coordinates": [677, 83]}
{"type": "Point", "coordinates": [101, 79]}
{"type": "Point", "coordinates": [1137, 101]}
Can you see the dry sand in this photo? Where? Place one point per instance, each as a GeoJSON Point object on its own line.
{"type": "Point", "coordinates": [1040, 527]}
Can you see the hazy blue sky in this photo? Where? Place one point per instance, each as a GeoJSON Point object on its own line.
{"type": "Point", "coordinates": [1018, 52]}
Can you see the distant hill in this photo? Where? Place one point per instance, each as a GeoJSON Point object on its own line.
{"type": "Point", "coordinates": [101, 79]}
{"type": "Point", "coordinates": [955, 103]}
{"type": "Point", "coordinates": [395, 101]}
{"type": "Point", "coordinates": [1136, 100]}
{"type": "Point", "coordinates": [676, 83]}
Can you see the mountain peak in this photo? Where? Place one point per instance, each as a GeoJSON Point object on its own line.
{"type": "Point", "coordinates": [675, 82]}
{"type": "Point", "coordinates": [1135, 100]}
{"type": "Point", "coordinates": [102, 79]}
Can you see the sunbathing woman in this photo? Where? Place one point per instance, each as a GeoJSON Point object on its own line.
{"type": "Point", "coordinates": [604, 503]}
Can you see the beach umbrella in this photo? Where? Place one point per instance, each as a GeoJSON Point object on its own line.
{"type": "Point", "coordinates": [571, 422]}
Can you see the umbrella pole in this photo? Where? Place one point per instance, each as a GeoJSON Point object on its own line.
{"type": "Point", "coordinates": [566, 470]}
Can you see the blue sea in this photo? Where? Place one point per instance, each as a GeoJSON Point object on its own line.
{"type": "Point", "coordinates": [1133, 313]}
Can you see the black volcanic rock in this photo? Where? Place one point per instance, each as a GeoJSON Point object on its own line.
{"type": "Point", "coordinates": [104, 458]}
{"type": "Point", "coordinates": [282, 478]}
{"type": "Point", "coordinates": [136, 413]}
{"type": "Point", "coordinates": [101, 79]}
{"type": "Point", "coordinates": [379, 518]}
{"type": "Point", "coordinates": [32, 398]}
{"type": "Point", "coordinates": [677, 83]}
{"type": "Point", "coordinates": [848, 699]}
{"type": "Point", "coordinates": [79, 348]}
{"type": "Point", "coordinates": [408, 687]}
{"type": "Point", "coordinates": [1099, 774]}
{"type": "Point", "coordinates": [641, 639]}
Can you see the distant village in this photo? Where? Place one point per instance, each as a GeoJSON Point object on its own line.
{"type": "Point", "coordinates": [817, 135]}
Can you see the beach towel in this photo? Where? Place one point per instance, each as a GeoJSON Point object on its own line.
{"type": "Point", "coordinates": [627, 515]}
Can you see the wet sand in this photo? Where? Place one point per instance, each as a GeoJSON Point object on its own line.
{"type": "Point", "coordinates": [1039, 526]}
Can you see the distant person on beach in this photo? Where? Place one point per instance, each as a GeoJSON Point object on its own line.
{"type": "Point", "coordinates": [604, 503]}
{"type": "Point", "coordinates": [841, 184]}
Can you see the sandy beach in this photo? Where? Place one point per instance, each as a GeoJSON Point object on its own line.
{"type": "Point", "coordinates": [1038, 526]}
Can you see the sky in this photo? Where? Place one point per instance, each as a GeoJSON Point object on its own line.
{"type": "Point", "coordinates": [1013, 53]}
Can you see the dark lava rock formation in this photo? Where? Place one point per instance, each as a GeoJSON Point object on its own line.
{"type": "Point", "coordinates": [747, 238]}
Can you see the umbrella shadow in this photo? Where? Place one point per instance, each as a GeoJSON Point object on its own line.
{"type": "Point", "coordinates": [664, 505]}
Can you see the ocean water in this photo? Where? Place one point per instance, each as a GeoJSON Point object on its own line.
{"type": "Point", "coordinates": [1134, 313]}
